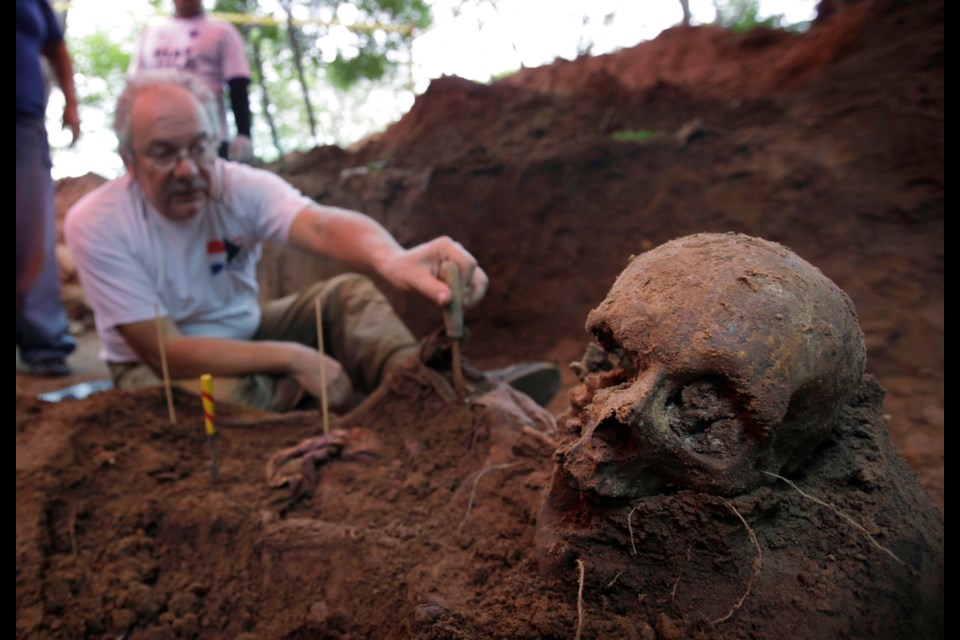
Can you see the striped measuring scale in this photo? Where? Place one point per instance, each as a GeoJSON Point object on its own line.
{"type": "Point", "coordinates": [206, 395]}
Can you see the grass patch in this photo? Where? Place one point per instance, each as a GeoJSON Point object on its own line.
{"type": "Point", "coordinates": [633, 135]}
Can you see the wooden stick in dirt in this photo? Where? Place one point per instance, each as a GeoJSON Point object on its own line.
{"type": "Point", "coordinates": [453, 321]}
{"type": "Point", "coordinates": [323, 375]}
{"type": "Point", "coordinates": [163, 363]}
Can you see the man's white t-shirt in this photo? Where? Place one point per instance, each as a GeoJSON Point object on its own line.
{"type": "Point", "coordinates": [133, 262]}
{"type": "Point", "coordinates": [210, 49]}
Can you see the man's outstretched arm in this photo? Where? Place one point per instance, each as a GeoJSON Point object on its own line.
{"type": "Point", "coordinates": [360, 243]}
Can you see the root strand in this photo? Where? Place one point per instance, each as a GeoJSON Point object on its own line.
{"type": "Point", "coordinates": [615, 578]}
{"type": "Point", "coordinates": [579, 601]}
{"type": "Point", "coordinates": [756, 565]}
{"type": "Point", "coordinates": [841, 514]}
{"type": "Point", "coordinates": [539, 435]}
{"type": "Point", "coordinates": [630, 529]}
{"type": "Point", "coordinates": [673, 592]}
{"type": "Point", "coordinates": [473, 491]}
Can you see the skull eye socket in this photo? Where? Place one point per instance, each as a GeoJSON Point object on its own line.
{"type": "Point", "coordinates": [614, 356]}
{"type": "Point", "coordinates": [705, 415]}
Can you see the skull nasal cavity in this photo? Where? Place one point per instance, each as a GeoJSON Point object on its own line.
{"type": "Point", "coordinates": [613, 433]}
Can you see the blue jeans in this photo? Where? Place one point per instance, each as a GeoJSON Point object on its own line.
{"type": "Point", "coordinates": [42, 323]}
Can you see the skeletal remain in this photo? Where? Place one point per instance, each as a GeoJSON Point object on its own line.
{"type": "Point", "coordinates": [727, 356]}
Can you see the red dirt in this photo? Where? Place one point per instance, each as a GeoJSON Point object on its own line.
{"type": "Point", "coordinates": [830, 143]}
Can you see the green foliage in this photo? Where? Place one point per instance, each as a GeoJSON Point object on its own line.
{"type": "Point", "coordinates": [506, 73]}
{"type": "Point", "coordinates": [400, 13]}
{"type": "Point", "coordinates": [633, 135]}
{"type": "Point", "coordinates": [235, 6]}
{"type": "Point", "coordinates": [744, 15]}
{"type": "Point", "coordinates": [100, 64]}
{"type": "Point", "coordinates": [373, 52]}
{"type": "Point", "coordinates": [343, 72]}
{"type": "Point", "coordinates": [341, 65]}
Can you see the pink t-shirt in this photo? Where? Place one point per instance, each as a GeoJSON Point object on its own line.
{"type": "Point", "coordinates": [210, 49]}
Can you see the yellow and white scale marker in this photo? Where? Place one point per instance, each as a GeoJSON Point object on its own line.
{"type": "Point", "coordinates": [206, 396]}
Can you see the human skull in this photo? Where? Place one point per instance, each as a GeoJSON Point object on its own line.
{"type": "Point", "coordinates": [728, 356]}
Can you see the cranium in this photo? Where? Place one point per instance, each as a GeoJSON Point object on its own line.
{"type": "Point", "coordinates": [730, 356]}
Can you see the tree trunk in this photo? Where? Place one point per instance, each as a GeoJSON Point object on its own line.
{"type": "Point", "coordinates": [264, 95]}
{"type": "Point", "coordinates": [685, 7]}
{"type": "Point", "coordinates": [295, 46]}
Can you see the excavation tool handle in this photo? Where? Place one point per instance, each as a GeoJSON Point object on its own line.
{"type": "Point", "coordinates": [453, 312]}
{"type": "Point", "coordinates": [453, 323]}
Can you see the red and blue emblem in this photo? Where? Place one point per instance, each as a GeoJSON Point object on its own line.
{"type": "Point", "coordinates": [221, 253]}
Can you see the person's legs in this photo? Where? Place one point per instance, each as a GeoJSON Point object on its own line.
{"type": "Point", "coordinates": [42, 329]}
{"type": "Point", "coordinates": [131, 376]}
{"type": "Point", "coordinates": [272, 393]}
{"type": "Point", "coordinates": [361, 330]}
{"type": "Point", "coordinates": [31, 155]}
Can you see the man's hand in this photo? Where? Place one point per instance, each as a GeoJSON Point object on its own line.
{"type": "Point", "coordinates": [306, 370]}
{"type": "Point", "coordinates": [418, 269]}
{"type": "Point", "coordinates": [58, 56]}
{"type": "Point", "coordinates": [71, 120]}
{"type": "Point", "coordinates": [241, 149]}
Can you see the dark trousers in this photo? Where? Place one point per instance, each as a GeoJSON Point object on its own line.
{"type": "Point", "coordinates": [42, 323]}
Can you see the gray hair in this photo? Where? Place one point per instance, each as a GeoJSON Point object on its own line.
{"type": "Point", "coordinates": [145, 81]}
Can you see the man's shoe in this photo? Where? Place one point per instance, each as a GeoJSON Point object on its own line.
{"type": "Point", "coordinates": [539, 380]}
{"type": "Point", "coordinates": [50, 368]}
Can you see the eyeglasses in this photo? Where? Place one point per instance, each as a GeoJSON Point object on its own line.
{"type": "Point", "coordinates": [164, 157]}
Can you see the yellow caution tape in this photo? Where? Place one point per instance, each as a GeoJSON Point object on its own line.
{"type": "Point", "coordinates": [247, 19]}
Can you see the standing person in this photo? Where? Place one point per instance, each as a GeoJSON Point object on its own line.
{"type": "Point", "coordinates": [175, 241]}
{"type": "Point", "coordinates": [43, 339]}
{"type": "Point", "coordinates": [212, 50]}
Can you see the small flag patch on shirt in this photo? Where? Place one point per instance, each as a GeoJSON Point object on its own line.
{"type": "Point", "coordinates": [216, 256]}
{"type": "Point", "coordinates": [232, 249]}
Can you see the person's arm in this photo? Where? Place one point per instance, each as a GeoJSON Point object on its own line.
{"type": "Point", "coordinates": [58, 56]}
{"type": "Point", "coordinates": [240, 104]}
{"type": "Point", "coordinates": [235, 72]}
{"type": "Point", "coordinates": [241, 147]}
{"type": "Point", "coordinates": [359, 242]}
{"type": "Point", "coordinates": [192, 356]}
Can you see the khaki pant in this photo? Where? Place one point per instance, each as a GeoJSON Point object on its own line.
{"type": "Point", "coordinates": [361, 331]}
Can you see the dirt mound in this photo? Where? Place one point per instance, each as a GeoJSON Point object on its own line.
{"type": "Point", "coordinates": [829, 142]}
{"type": "Point", "coordinates": [431, 532]}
